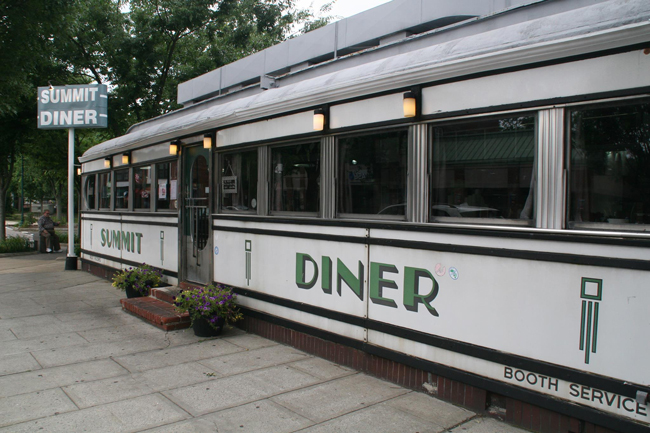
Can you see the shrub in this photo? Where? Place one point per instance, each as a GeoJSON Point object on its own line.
{"type": "Point", "coordinates": [63, 236]}
{"type": "Point", "coordinates": [14, 245]}
{"type": "Point", "coordinates": [141, 279]}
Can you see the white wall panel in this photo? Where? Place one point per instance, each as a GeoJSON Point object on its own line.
{"type": "Point", "coordinates": [301, 123]}
{"type": "Point", "coordinates": [91, 166]}
{"type": "Point", "coordinates": [610, 73]}
{"type": "Point", "coordinates": [372, 110]}
{"type": "Point", "coordinates": [158, 151]}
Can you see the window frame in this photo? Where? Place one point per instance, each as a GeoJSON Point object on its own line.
{"type": "Point", "coordinates": [129, 204]}
{"type": "Point", "coordinates": [481, 222]}
{"type": "Point", "coordinates": [337, 174]}
{"type": "Point", "coordinates": [111, 198]}
{"type": "Point", "coordinates": [154, 165]}
{"type": "Point", "coordinates": [84, 182]}
{"type": "Point", "coordinates": [583, 226]}
{"type": "Point", "coordinates": [132, 186]}
{"type": "Point", "coordinates": [269, 180]}
{"type": "Point", "coordinates": [218, 180]}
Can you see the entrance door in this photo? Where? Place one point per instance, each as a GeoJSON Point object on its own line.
{"type": "Point", "coordinates": [196, 246]}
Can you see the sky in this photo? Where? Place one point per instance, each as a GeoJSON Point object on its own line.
{"type": "Point", "coordinates": [341, 8]}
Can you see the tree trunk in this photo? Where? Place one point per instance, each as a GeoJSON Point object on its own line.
{"type": "Point", "coordinates": [3, 197]}
{"type": "Point", "coordinates": [58, 197]}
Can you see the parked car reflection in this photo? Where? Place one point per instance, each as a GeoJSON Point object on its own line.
{"type": "Point", "coordinates": [446, 210]}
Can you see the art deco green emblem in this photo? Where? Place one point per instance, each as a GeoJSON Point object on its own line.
{"type": "Point", "coordinates": [591, 292]}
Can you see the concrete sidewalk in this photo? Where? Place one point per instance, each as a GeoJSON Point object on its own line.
{"type": "Point", "coordinates": [71, 360]}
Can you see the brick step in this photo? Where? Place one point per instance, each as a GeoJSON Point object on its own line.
{"type": "Point", "coordinates": [166, 294]}
{"type": "Point", "coordinates": [157, 312]}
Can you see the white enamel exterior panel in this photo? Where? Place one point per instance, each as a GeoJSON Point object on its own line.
{"type": "Point", "coordinates": [145, 242]}
{"type": "Point", "coordinates": [272, 264]}
{"type": "Point", "coordinates": [611, 73]}
{"type": "Point", "coordinates": [318, 322]}
{"type": "Point", "coordinates": [381, 109]}
{"type": "Point", "coordinates": [529, 308]}
{"type": "Point", "coordinates": [91, 166]}
{"type": "Point", "coordinates": [557, 388]}
{"type": "Point", "coordinates": [301, 123]}
{"type": "Point", "coordinates": [158, 151]}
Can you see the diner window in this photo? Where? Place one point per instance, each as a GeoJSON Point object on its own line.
{"type": "Point", "coordinates": [610, 166]}
{"type": "Point", "coordinates": [167, 186]}
{"type": "Point", "coordinates": [142, 187]}
{"type": "Point", "coordinates": [239, 181]}
{"type": "Point", "coordinates": [483, 170]}
{"type": "Point", "coordinates": [295, 174]}
{"type": "Point", "coordinates": [105, 190]}
{"type": "Point", "coordinates": [122, 189]}
{"type": "Point", "coordinates": [372, 174]}
{"type": "Point", "coordinates": [89, 193]}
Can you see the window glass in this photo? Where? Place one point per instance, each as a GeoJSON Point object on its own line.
{"type": "Point", "coordinates": [372, 174]}
{"type": "Point", "coordinates": [167, 186]}
{"type": "Point", "coordinates": [142, 187]}
{"type": "Point", "coordinates": [239, 181]}
{"type": "Point", "coordinates": [484, 169]}
{"type": "Point", "coordinates": [295, 174]}
{"type": "Point", "coordinates": [610, 166]}
{"type": "Point", "coordinates": [121, 189]}
{"type": "Point", "coordinates": [105, 190]}
{"type": "Point", "coordinates": [89, 190]}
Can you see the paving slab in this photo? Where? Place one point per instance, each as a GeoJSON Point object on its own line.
{"type": "Point", "coordinates": [486, 425]}
{"type": "Point", "coordinates": [237, 390]}
{"type": "Point", "coordinates": [247, 341]}
{"type": "Point", "coordinates": [48, 378]}
{"type": "Point", "coordinates": [7, 335]}
{"type": "Point", "coordinates": [90, 352]}
{"type": "Point", "coordinates": [253, 359]}
{"type": "Point", "coordinates": [263, 416]}
{"type": "Point", "coordinates": [430, 410]}
{"type": "Point", "coordinates": [338, 397]}
{"type": "Point", "coordinates": [41, 343]}
{"type": "Point", "coordinates": [125, 416]}
{"type": "Point", "coordinates": [377, 418]}
{"type": "Point", "coordinates": [176, 355]}
{"type": "Point", "coordinates": [18, 363]}
{"type": "Point", "coordinates": [322, 369]}
{"type": "Point", "coordinates": [35, 405]}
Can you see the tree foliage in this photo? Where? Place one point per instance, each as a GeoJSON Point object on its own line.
{"type": "Point", "coordinates": [142, 49]}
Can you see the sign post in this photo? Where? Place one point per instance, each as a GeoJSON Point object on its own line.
{"type": "Point", "coordinates": [70, 107]}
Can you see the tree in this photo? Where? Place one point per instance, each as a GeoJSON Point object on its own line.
{"type": "Point", "coordinates": [26, 29]}
{"type": "Point", "coordinates": [141, 48]}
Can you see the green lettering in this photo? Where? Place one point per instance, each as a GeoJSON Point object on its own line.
{"type": "Point", "coordinates": [139, 236]}
{"type": "Point", "coordinates": [344, 274]}
{"type": "Point", "coordinates": [378, 283]}
{"type": "Point", "coordinates": [301, 262]}
{"type": "Point", "coordinates": [412, 295]}
{"type": "Point", "coordinates": [326, 280]}
{"type": "Point", "coordinates": [102, 233]}
{"type": "Point", "coordinates": [126, 241]}
{"type": "Point", "coordinates": [117, 241]}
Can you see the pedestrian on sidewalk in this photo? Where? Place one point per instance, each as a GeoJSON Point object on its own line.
{"type": "Point", "coordinates": [46, 229]}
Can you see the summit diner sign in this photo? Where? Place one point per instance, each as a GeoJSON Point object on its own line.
{"type": "Point", "coordinates": [75, 106]}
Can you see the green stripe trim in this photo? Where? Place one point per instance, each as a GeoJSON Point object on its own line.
{"type": "Point", "coordinates": [588, 332]}
{"type": "Point", "coordinates": [582, 325]}
{"type": "Point", "coordinates": [595, 339]}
